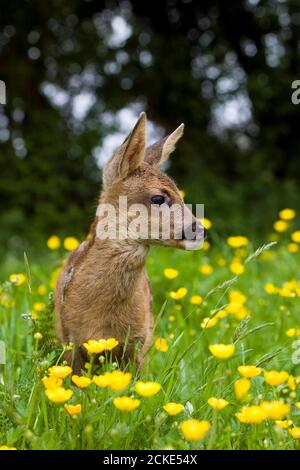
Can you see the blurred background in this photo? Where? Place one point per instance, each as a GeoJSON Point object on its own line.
{"type": "Point", "coordinates": [78, 73]}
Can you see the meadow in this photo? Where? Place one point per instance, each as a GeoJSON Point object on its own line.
{"type": "Point", "coordinates": [223, 371]}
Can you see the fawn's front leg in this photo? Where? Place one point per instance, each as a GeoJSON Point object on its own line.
{"type": "Point", "coordinates": [76, 359]}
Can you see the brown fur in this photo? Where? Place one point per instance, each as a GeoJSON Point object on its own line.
{"type": "Point", "coordinates": [103, 290]}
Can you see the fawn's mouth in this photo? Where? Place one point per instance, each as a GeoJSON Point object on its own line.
{"type": "Point", "coordinates": [191, 244]}
{"type": "Point", "coordinates": [189, 238]}
{"type": "Point", "coordinates": [182, 244]}
{"type": "Point", "coordinates": [193, 237]}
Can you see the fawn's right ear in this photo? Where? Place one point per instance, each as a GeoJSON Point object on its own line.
{"type": "Point", "coordinates": [129, 155]}
{"type": "Point", "coordinates": [159, 152]}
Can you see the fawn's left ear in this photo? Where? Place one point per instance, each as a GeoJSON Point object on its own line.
{"type": "Point", "coordinates": [159, 152]}
{"type": "Point", "coordinates": [129, 155]}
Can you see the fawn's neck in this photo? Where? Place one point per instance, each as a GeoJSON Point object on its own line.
{"type": "Point", "coordinates": [117, 266]}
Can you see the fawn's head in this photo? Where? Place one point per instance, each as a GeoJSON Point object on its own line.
{"type": "Point", "coordinates": [147, 203]}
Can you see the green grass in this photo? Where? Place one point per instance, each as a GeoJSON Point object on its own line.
{"type": "Point", "coordinates": [187, 372]}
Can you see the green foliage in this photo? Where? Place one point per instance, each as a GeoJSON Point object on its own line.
{"type": "Point", "coordinates": [187, 371]}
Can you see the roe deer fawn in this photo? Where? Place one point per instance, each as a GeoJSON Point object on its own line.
{"type": "Point", "coordinates": [103, 290]}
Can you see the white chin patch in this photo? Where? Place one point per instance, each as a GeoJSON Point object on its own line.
{"type": "Point", "coordinates": [192, 244]}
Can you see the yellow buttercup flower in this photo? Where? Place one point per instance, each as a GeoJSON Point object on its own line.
{"type": "Point", "coordinates": [292, 284]}
{"type": "Point", "coordinates": [53, 242]}
{"type": "Point", "coordinates": [270, 288]}
{"type": "Point", "coordinates": [275, 378]}
{"type": "Point", "coordinates": [286, 292]}
{"type": "Point", "coordinates": [295, 432]}
{"type": "Point", "coordinates": [59, 395]}
{"type": "Point", "coordinates": [237, 241]}
{"type": "Point", "coordinates": [126, 403]}
{"type": "Point", "coordinates": [147, 389]}
{"type": "Point", "coordinates": [251, 415]}
{"type": "Point", "coordinates": [293, 247]}
{"type": "Point", "coordinates": [241, 388]}
{"type": "Point", "coordinates": [284, 424]}
{"type": "Point", "coordinates": [222, 351]}
{"type": "Point", "coordinates": [7, 448]}
{"type": "Point", "coordinates": [73, 409]}
{"type": "Point", "coordinates": [206, 269]}
{"type": "Point", "coordinates": [97, 347]}
{"type": "Point", "coordinates": [118, 380]}
{"type": "Point", "coordinates": [217, 403]}
{"type": "Point", "coordinates": [71, 243]}
{"type": "Point", "coordinates": [171, 273]}
{"type": "Point", "coordinates": [42, 290]}
{"type": "Point", "coordinates": [206, 245]}
{"type": "Point", "coordinates": [280, 226]}
{"type": "Point", "coordinates": [161, 345]}
{"type": "Point", "coordinates": [52, 382]}
{"type": "Point", "coordinates": [209, 322]}
{"type": "Point", "coordinates": [275, 409]}
{"type": "Point", "coordinates": [291, 332]}
{"type": "Point", "coordinates": [237, 298]}
{"type": "Point", "coordinates": [39, 306]}
{"type": "Point", "coordinates": [207, 224]}
{"type": "Point", "coordinates": [241, 312]}
{"type": "Point", "coordinates": [111, 343]}
{"type": "Point", "coordinates": [298, 405]}
{"type": "Point", "coordinates": [196, 300]}
{"type": "Point", "coordinates": [17, 279]}
{"type": "Point", "coordinates": [173, 409]}
{"type": "Point", "coordinates": [34, 315]}
{"type": "Point", "coordinates": [296, 236]}
{"type": "Point", "coordinates": [220, 314]}
{"type": "Point", "coordinates": [179, 294]}
{"type": "Point", "coordinates": [287, 214]}
{"type": "Point", "coordinates": [101, 381]}
{"type": "Point", "coordinates": [249, 371]}
{"type": "Point", "coordinates": [292, 382]}
{"type": "Point", "coordinates": [236, 267]}
{"type": "Point", "coordinates": [54, 277]}
{"type": "Point", "coordinates": [194, 429]}
{"type": "Point", "coordinates": [60, 371]}
{"type": "Point", "coordinates": [81, 382]}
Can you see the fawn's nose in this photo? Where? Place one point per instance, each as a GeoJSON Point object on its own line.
{"type": "Point", "coordinates": [194, 232]}
{"type": "Point", "coordinates": [195, 226]}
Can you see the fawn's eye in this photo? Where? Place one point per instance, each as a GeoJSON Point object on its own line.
{"type": "Point", "coordinates": [159, 200]}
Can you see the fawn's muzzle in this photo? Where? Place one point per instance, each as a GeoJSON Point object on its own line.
{"type": "Point", "coordinates": [195, 231]}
